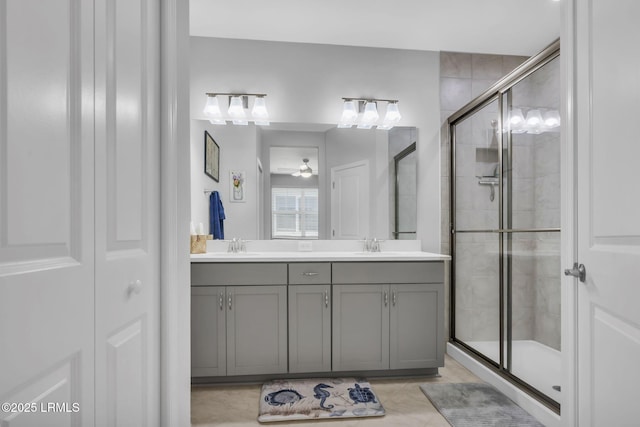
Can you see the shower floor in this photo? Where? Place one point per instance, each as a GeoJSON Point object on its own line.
{"type": "Point", "coordinates": [537, 364]}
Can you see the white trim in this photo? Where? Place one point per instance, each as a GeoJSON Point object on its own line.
{"type": "Point", "coordinates": [569, 403]}
{"type": "Point", "coordinates": [543, 414]}
{"type": "Point", "coordinates": [175, 395]}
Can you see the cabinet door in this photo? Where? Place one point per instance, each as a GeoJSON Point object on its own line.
{"type": "Point", "coordinates": [256, 330]}
{"type": "Point", "coordinates": [208, 331]}
{"type": "Point", "coordinates": [360, 327]}
{"type": "Point", "coordinates": [309, 328]}
{"type": "Point", "coordinates": [416, 324]}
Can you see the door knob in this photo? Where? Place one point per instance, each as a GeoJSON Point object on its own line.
{"type": "Point", "coordinates": [578, 271]}
{"type": "Point", "coordinates": [135, 287]}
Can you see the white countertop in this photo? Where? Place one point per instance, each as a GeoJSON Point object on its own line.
{"type": "Point", "coordinates": [314, 256]}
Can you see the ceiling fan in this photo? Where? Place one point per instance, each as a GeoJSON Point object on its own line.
{"type": "Point", "coordinates": [305, 170]}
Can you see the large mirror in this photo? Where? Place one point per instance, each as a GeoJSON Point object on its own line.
{"type": "Point", "coordinates": [322, 182]}
{"type": "Point", "coordinates": [362, 182]}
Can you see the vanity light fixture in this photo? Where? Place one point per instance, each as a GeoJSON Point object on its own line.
{"type": "Point", "coordinates": [538, 120]}
{"type": "Point", "coordinates": [236, 113]}
{"type": "Point", "coordinates": [363, 112]}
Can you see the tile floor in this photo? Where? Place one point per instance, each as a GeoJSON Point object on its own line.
{"type": "Point", "coordinates": [406, 405]}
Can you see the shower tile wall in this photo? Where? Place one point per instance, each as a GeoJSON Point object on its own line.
{"type": "Point", "coordinates": [463, 76]}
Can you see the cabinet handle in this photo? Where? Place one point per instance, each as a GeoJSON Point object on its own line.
{"type": "Point", "coordinates": [386, 298]}
{"type": "Point", "coordinates": [310, 273]}
{"type": "Point", "coordinates": [393, 298]}
{"type": "Point", "coordinates": [326, 298]}
{"type": "Point", "coordinates": [230, 300]}
{"type": "Point", "coordinates": [221, 301]}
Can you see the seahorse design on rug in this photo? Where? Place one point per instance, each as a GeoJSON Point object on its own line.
{"type": "Point", "coordinates": [320, 393]}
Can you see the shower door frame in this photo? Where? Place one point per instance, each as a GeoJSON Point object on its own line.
{"type": "Point", "coordinates": [411, 148]}
{"type": "Point", "coordinates": [500, 92]}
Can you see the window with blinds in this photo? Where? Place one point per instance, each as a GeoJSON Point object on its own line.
{"type": "Point", "coordinates": [294, 213]}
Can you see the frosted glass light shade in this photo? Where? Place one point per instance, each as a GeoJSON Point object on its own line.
{"type": "Point", "coordinates": [349, 114]}
{"type": "Point", "coordinates": [236, 110]}
{"type": "Point", "coordinates": [515, 117]}
{"type": "Point", "coordinates": [370, 115]}
{"type": "Point", "coordinates": [552, 119]}
{"type": "Point", "coordinates": [392, 117]}
{"type": "Point", "coordinates": [259, 112]}
{"type": "Point", "coordinates": [393, 113]}
{"type": "Point", "coordinates": [534, 118]}
{"type": "Point", "coordinates": [212, 111]}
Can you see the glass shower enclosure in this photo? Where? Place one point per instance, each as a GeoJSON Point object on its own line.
{"type": "Point", "coordinates": [505, 220]}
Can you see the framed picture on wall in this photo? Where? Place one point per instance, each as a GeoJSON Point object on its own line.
{"type": "Point", "coordinates": [236, 191]}
{"type": "Point", "coordinates": [211, 157]}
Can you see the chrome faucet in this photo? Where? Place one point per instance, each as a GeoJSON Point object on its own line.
{"type": "Point", "coordinates": [372, 245]}
{"type": "Point", "coordinates": [237, 245]}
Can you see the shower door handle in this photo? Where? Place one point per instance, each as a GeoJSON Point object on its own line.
{"type": "Point", "coordinates": [578, 271]}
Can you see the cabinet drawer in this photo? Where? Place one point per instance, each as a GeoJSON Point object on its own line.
{"type": "Point", "coordinates": [309, 273]}
{"type": "Point", "coordinates": [220, 274]}
{"type": "Point", "coordinates": [388, 272]}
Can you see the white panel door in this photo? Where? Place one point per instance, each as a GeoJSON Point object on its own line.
{"type": "Point", "coordinates": [46, 212]}
{"type": "Point", "coordinates": [608, 93]}
{"type": "Point", "coordinates": [127, 213]}
{"type": "Point", "coordinates": [350, 201]}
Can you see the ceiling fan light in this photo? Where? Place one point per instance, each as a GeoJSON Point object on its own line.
{"type": "Point", "coordinates": [305, 169]}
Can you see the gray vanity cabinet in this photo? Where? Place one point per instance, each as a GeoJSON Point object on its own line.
{"type": "Point", "coordinates": [208, 331]}
{"type": "Point", "coordinates": [256, 330]}
{"type": "Point", "coordinates": [309, 317]}
{"type": "Point", "coordinates": [416, 329]}
{"type": "Point", "coordinates": [240, 328]}
{"type": "Point", "coordinates": [394, 324]}
{"type": "Point", "coordinates": [360, 327]}
{"type": "Point", "coordinates": [309, 328]}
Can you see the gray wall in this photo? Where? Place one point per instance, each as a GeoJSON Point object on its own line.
{"type": "Point", "coordinates": [305, 83]}
{"type": "Point", "coordinates": [238, 151]}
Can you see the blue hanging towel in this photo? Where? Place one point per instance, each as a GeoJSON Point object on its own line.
{"type": "Point", "coordinates": [216, 216]}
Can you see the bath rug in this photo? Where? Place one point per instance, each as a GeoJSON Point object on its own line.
{"type": "Point", "coordinates": [319, 398]}
{"type": "Point", "coordinates": [477, 405]}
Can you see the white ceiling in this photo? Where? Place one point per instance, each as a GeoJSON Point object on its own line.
{"type": "Point", "coordinates": [287, 160]}
{"type": "Point", "coordinates": [507, 27]}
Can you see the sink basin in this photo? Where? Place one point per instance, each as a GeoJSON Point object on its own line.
{"type": "Point", "coordinates": [231, 254]}
{"type": "Point", "coordinates": [376, 253]}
